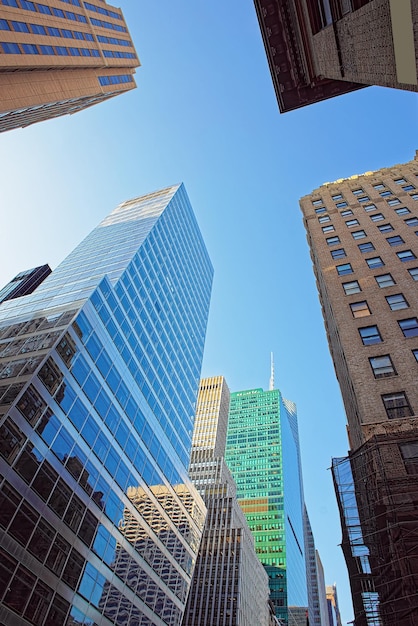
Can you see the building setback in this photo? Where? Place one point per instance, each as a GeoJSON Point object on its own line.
{"type": "Point", "coordinates": [263, 456]}
{"type": "Point", "coordinates": [317, 49]}
{"type": "Point", "coordinates": [99, 373]}
{"type": "Point", "coordinates": [362, 233]}
{"type": "Point", "coordinates": [60, 58]}
{"type": "Point", "coordinates": [229, 585]}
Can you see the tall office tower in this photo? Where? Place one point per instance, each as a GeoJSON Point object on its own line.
{"type": "Point", "coordinates": [315, 591]}
{"type": "Point", "coordinates": [99, 373]}
{"type": "Point", "coordinates": [24, 283]}
{"type": "Point", "coordinates": [60, 58]}
{"type": "Point", "coordinates": [229, 585]}
{"type": "Point", "coordinates": [332, 599]}
{"type": "Point", "coordinates": [322, 595]}
{"type": "Point", "coordinates": [317, 49]}
{"type": "Point", "coordinates": [263, 455]}
{"type": "Point", "coordinates": [362, 232]}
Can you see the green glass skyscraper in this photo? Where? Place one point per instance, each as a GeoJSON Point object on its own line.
{"type": "Point", "coordinates": [263, 455]}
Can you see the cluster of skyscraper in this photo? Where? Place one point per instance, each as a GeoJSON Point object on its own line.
{"type": "Point", "coordinates": [117, 506]}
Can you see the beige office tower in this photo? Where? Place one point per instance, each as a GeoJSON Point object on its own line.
{"type": "Point", "coordinates": [60, 57]}
{"type": "Point", "coordinates": [229, 585]}
{"type": "Point", "coordinates": [362, 233]}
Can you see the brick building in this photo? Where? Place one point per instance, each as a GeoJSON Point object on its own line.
{"type": "Point", "coordinates": [362, 233]}
{"type": "Point", "coordinates": [318, 49]}
{"type": "Point", "coordinates": [61, 57]}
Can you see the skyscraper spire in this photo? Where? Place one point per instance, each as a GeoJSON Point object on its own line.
{"type": "Point", "coordinates": [271, 385]}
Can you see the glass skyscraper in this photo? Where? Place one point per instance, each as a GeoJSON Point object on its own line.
{"type": "Point", "coordinates": [263, 455]}
{"type": "Point", "coordinates": [99, 371]}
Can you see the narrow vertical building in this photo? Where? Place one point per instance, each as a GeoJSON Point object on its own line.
{"type": "Point", "coordinates": [229, 585]}
{"type": "Point", "coordinates": [362, 232]}
{"type": "Point", "coordinates": [99, 368]}
{"type": "Point", "coordinates": [61, 57]}
{"type": "Point", "coordinates": [263, 456]}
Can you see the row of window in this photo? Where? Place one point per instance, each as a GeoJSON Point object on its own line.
{"type": "Point", "coordinates": [102, 10]}
{"type": "Point", "coordinates": [30, 48]}
{"type": "Point", "coordinates": [376, 217]}
{"type": "Point", "coordinates": [69, 15]}
{"type": "Point", "coordinates": [375, 262]}
{"type": "Point", "coordinates": [115, 80]}
{"type": "Point", "coordinates": [383, 280]}
{"type": "Point", "coordinates": [361, 194]}
{"type": "Point", "coordinates": [383, 367]}
{"type": "Point", "coordinates": [371, 334]}
{"type": "Point", "coordinates": [396, 302]}
{"type": "Point", "coordinates": [53, 31]}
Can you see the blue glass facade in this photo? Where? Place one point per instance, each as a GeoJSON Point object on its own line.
{"type": "Point", "coordinates": [263, 455]}
{"type": "Point", "coordinates": [100, 370]}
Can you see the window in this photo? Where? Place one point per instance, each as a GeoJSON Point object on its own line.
{"type": "Point", "coordinates": [374, 262]}
{"type": "Point", "coordinates": [4, 25]}
{"type": "Point", "coordinates": [30, 48]}
{"type": "Point", "coordinates": [317, 202]}
{"type": "Point", "coordinates": [346, 213]}
{"type": "Point", "coordinates": [414, 273]}
{"type": "Point", "coordinates": [382, 366]}
{"type": "Point", "coordinates": [377, 217]}
{"type": "Point", "coordinates": [359, 234]}
{"type": "Point", "coordinates": [414, 196]}
{"type": "Point", "coordinates": [357, 192]}
{"type": "Point", "coordinates": [386, 193]}
{"type": "Point", "coordinates": [325, 218]}
{"type": "Point", "coordinates": [331, 241]}
{"type": "Point", "coordinates": [370, 207]}
{"type": "Point", "coordinates": [385, 228]}
{"type": "Point", "coordinates": [321, 210]}
{"type": "Point", "coordinates": [327, 229]}
{"type": "Point", "coordinates": [43, 8]}
{"type": "Point", "coordinates": [385, 280]}
{"type": "Point", "coordinates": [415, 353]}
{"type": "Point", "coordinates": [393, 201]}
{"type": "Point", "coordinates": [396, 405]}
{"type": "Point", "coordinates": [397, 301]}
{"type": "Point", "coordinates": [409, 453]}
{"type": "Point", "coordinates": [339, 253]}
{"type": "Point", "coordinates": [379, 186]}
{"type": "Point", "coordinates": [406, 255]}
{"type": "Point", "coordinates": [396, 240]}
{"type": "Point", "coordinates": [408, 188]}
{"type": "Point", "coordinates": [38, 29]}
{"type": "Point", "coordinates": [341, 205]}
{"type": "Point", "coordinates": [47, 49]}
{"type": "Point", "coordinates": [370, 335]}
{"type": "Point", "coordinates": [351, 287]}
{"type": "Point", "coordinates": [402, 211]}
{"type": "Point", "coordinates": [360, 309]}
{"type": "Point", "coordinates": [20, 27]}
{"type": "Point", "coordinates": [409, 327]}
{"type": "Point", "coordinates": [10, 48]}
{"type": "Point", "coordinates": [351, 223]}
{"type": "Point", "coordinates": [411, 221]}
{"type": "Point", "coordinates": [400, 181]}
{"type": "Point", "coordinates": [337, 196]}
{"type": "Point", "coordinates": [366, 247]}
{"type": "Point", "coordinates": [54, 32]}
{"type": "Point", "coordinates": [344, 269]}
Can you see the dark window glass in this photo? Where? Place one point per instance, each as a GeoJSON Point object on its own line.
{"type": "Point", "coordinates": [396, 240]}
{"type": "Point", "coordinates": [409, 327]}
{"type": "Point", "coordinates": [339, 253]}
{"type": "Point", "coordinates": [60, 498]}
{"type": "Point", "coordinates": [360, 309]}
{"type": "Point", "coordinates": [9, 503]}
{"type": "Point", "coordinates": [344, 269]}
{"type": "Point", "coordinates": [366, 247]}
{"type": "Point", "coordinates": [11, 440]}
{"type": "Point", "coordinates": [397, 301]}
{"type": "Point", "coordinates": [41, 540]}
{"type": "Point", "coordinates": [31, 405]}
{"type": "Point", "coordinates": [406, 255]}
{"type": "Point", "coordinates": [58, 612]}
{"type": "Point", "coordinates": [74, 513]}
{"type": "Point", "coordinates": [370, 335]}
{"type": "Point", "coordinates": [38, 604]}
{"type": "Point", "coordinates": [396, 405]}
{"type": "Point", "coordinates": [28, 462]}
{"type": "Point", "coordinates": [23, 524]}
{"type": "Point", "coordinates": [51, 376]}
{"type": "Point", "coordinates": [7, 568]}
{"type": "Point", "coordinates": [382, 366]}
{"type": "Point", "coordinates": [73, 568]}
{"type": "Point", "coordinates": [19, 590]}
{"type": "Point", "coordinates": [411, 221]}
{"type": "Point", "coordinates": [57, 555]}
{"type": "Point", "coordinates": [409, 453]}
{"type": "Point", "coordinates": [341, 205]}
{"type": "Point", "coordinates": [384, 280]}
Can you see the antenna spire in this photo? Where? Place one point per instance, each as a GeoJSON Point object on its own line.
{"type": "Point", "coordinates": [271, 385]}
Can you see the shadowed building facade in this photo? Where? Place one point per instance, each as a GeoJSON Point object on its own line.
{"type": "Point", "coordinates": [263, 455]}
{"type": "Point", "coordinates": [317, 49]}
{"type": "Point", "coordinates": [229, 585]}
{"type": "Point", "coordinates": [24, 283]}
{"type": "Point", "coordinates": [99, 372]}
{"type": "Point", "coordinates": [362, 233]}
{"type": "Point", "coordinates": [61, 57]}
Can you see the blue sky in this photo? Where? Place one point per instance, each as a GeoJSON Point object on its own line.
{"type": "Point", "coordinates": [205, 113]}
